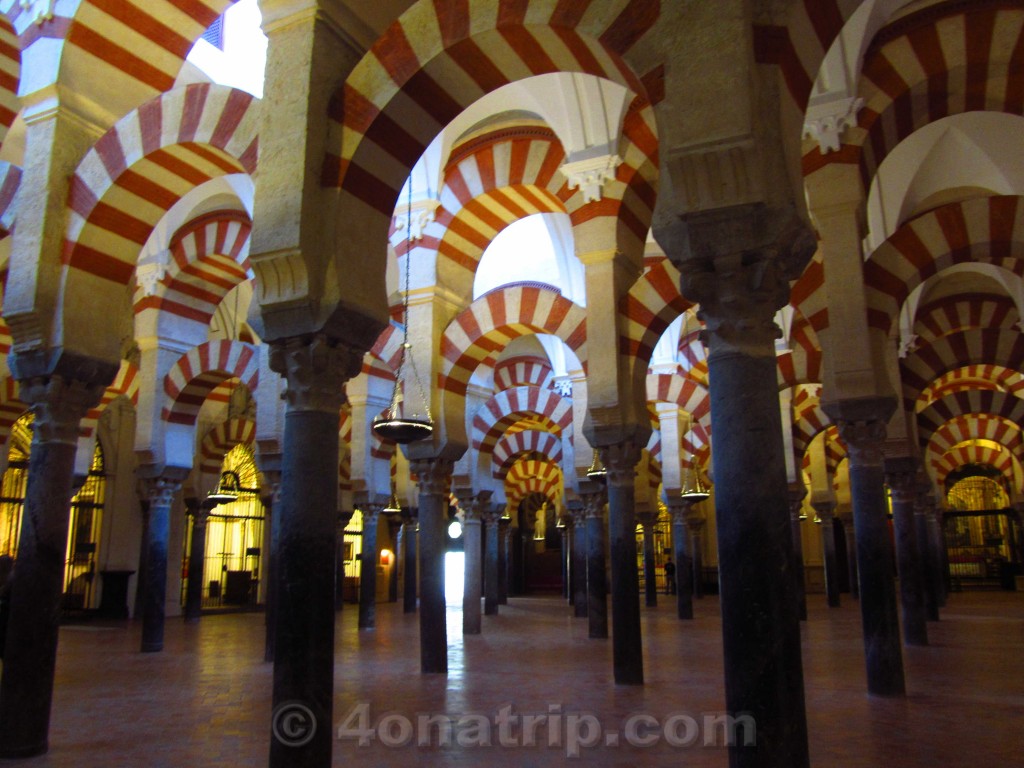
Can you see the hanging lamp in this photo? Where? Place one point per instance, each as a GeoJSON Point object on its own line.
{"type": "Point", "coordinates": [394, 507]}
{"type": "Point", "coordinates": [597, 470]}
{"type": "Point", "coordinates": [226, 490]}
{"type": "Point", "coordinates": [695, 492]}
{"type": "Point", "coordinates": [396, 424]}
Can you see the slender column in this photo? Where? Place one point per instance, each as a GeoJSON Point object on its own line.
{"type": "Point", "coordinates": [504, 561]}
{"type": "Point", "coordinates": [409, 561]}
{"type": "Point", "coordinates": [273, 480]}
{"type": "Point", "coordinates": [435, 479]}
{"type": "Point", "coordinates": [196, 559]}
{"type": "Point", "coordinates": [597, 591]}
{"type": "Point", "coordinates": [825, 511]}
{"type": "Point", "coordinates": [851, 554]}
{"type": "Point", "coordinates": [941, 554]}
{"type": "Point", "coordinates": [473, 542]}
{"type": "Point", "coordinates": [647, 520]}
{"type": "Point", "coordinates": [862, 426]}
{"type": "Point", "coordinates": [161, 492]}
{"type": "Point", "coordinates": [901, 475]}
{"type": "Point", "coordinates": [739, 291]}
{"type": "Point", "coordinates": [315, 369]}
{"type": "Point", "coordinates": [620, 460]}
{"type": "Point", "coordinates": [797, 494]}
{"type": "Point", "coordinates": [925, 542]}
{"type": "Point", "coordinates": [368, 567]}
{"type": "Point", "coordinates": [491, 566]}
{"type": "Point", "coordinates": [579, 562]}
{"type": "Point", "coordinates": [695, 522]}
{"type": "Point", "coordinates": [30, 656]}
{"type": "Point", "coordinates": [679, 510]}
{"type": "Point", "coordinates": [565, 539]}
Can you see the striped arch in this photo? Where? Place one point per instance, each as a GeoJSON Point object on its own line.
{"type": "Point", "coordinates": [200, 370]}
{"type": "Point", "coordinates": [532, 442]}
{"type": "Point", "coordinates": [835, 452]}
{"type": "Point", "coordinates": [383, 358]}
{"type": "Point", "coordinates": [974, 426]}
{"type": "Point", "coordinates": [209, 258]}
{"type": "Point", "coordinates": [958, 313]}
{"type": "Point", "coordinates": [808, 294]}
{"type": "Point", "coordinates": [998, 457]}
{"type": "Point", "coordinates": [987, 229]}
{"type": "Point", "coordinates": [221, 439]}
{"type": "Point", "coordinates": [808, 423]}
{"type": "Point", "coordinates": [523, 371]}
{"type": "Point", "coordinates": [533, 476]}
{"type": "Point", "coordinates": [697, 443]}
{"type": "Point", "coordinates": [125, 384]}
{"type": "Point", "coordinates": [481, 331]}
{"type": "Point", "coordinates": [11, 407]}
{"type": "Point", "coordinates": [688, 394]}
{"type": "Point", "coordinates": [971, 347]}
{"type": "Point", "coordinates": [997, 405]}
{"type": "Point", "coordinates": [511, 406]}
{"type": "Point", "coordinates": [802, 364]}
{"type": "Point", "coordinates": [10, 181]}
{"type": "Point", "coordinates": [10, 70]}
{"type": "Point", "coordinates": [345, 448]}
{"type": "Point", "coordinates": [651, 306]}
{"type": "Point", "coordinates": [994, 378]}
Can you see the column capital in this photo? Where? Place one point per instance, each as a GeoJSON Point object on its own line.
{"type": "Point", "coordinates": [479, 506]}
{"type": "Point", "coordinates": [593, 503]}
{"type": "Point", "coordinates": [433, 475]}
{"type": "Point", "coordinates": [620, 459]}
{"type": "Point", "coordinates": [315, 368]}
{"type": "Point", "coordinates": [825, 509]}
{"type": "Point", "coordinates": [59, 405]}
{"type": "Point", "coordinates": [862, 426]}
{"type": "Point", "coordinates": [647, 517]}
{"type": "Point", "coordinates": [160, 490]}
{"type": "Point", "coordinates": [797, 494]}
{"type": "Point", "coordinates": [901, 477]}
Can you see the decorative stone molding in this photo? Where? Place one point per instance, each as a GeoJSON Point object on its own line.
{"type": "Point", "coordinates": [593, 503]}
{"type": "Point", "coordinates": [620, 459]}
{"type": "Point", "coordinates": [423, 213]}
{"type": "Point", "coordinates": [59, 405]}
{"type": "Point", "coordinates": [479, 506]}
{"type": "Point", "coordinates": [37, 11]}
{"type": "Point", "coordinates": [590, 175]}
{"type": "Point", "coordinates": [434, 475]}
{"type": "Point", "coordinates": [315, 370]}
{"type": "Point", "coordinates": [862, 426]}
{"type": "Point", "coordinates": [159, 491]}
{"type": "Point", "coordinates": [827, 122]}
{"type": "Point", "coordinates": [907, 345]}
{"type": "Point", "coordinates": [149, 276]}
{"type": "Point", "coordinates": [901, 475]}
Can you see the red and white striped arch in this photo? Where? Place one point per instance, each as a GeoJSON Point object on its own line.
{"type": "Point", "coordinates": [802, 363]}
{"type": "Point", "coordinates": [345, 448]}
{"type": "Point", "coordinates": [697, 443]}
{"type": "Point", "coordinates": [999, 458]}
{"type": "Point", "coordinates": [221, 439]}
{"type": "Point", "coordinates": [202, 369]}
{"type": "Point", "coordinates": [973, 426]}
{"type": "Point", "coordinates": [144, 165]}
{"type": "Point", "coordinates": [209, 258]}
{"type": "Point", "coordinates": [995, 378]}
{"type": "Point", "coordinates": [651, 306]}
{"type": "Point", "coordinates": [988, 230]}
{"type": "Point", "coordinates": [689, 395]}
{"type": "Point", "coordinates": [10, 70]}
{"type": "Point", "coordinates": [440, 57]}
{"type": "Point", "coordinates": [510, 406]}
{"type": "Point", "coordinates": [479, 333]}
{"type": "Point", "coordinates": [808, 422]}
{"type": "Point", "coordinates": [528, 441]}
{"type": "Point", "coordinates": [11, 407]}
{"type": "Point", "coordinates": [999, 405]}
{"type": "Point", "coordinates": [808, 294]}
{"type": "Point", "coordinates": [10, 181]}
{"type": "Point", "coordinates": [957, 313]}
{"type": "Point", "coordinates": [533, 476]}
{"type": "Point", "coordinates": [125, 384]}
{"type": "Point", "coordinates": [523, 371]}
{"type": "Point", "coordinates": [384, 356]}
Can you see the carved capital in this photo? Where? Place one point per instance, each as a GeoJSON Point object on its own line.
{"type": "Point", "coordinates": [479, 506]}
{"type": "Point", "coordinates": [826, 123]}
{"type": "Point", "coordinates": [434, 476]}
{"type": "Point", "coordinates": [620, 459]}
{"type": "Point", "coordinates": [591, 174]}
{"type": "Point", "coordinates": [159, 491]}
{"type": "Point", "coordinates": [315, 369]}
{"type": "Point", "coordinates": [862, 427]}
{"type": "Point", "coordinates": [593, 503]}
{"type": "Point", "coordinates": [825, 509]}
{"type": "Point", "coordinates": [901, 475]}
{"type": "Point", "coordinates": [59, 405]}
{"type": "Point", "coordinates": [37, 11]}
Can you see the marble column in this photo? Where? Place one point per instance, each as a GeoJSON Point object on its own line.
{"type": "Point", "coordinates": [200, 511]}
{"type": "Point", "coordinates": [368, 566]}
{"type": "Point", "coordinates": [315, 369]}
{"type": "Point", "coordinates": [901, 476]}
{"type": "Point", "coordinates": [492, 576]}
{"type": "Point", "coordinates": [504, 560]}
{"type": "Point", "coordinates": [408, 547]}
{"type": "Point", "coordinates": [473, 543]}
{"type": "Point", "coordinates": [37, 582]}
{"type": "Point", "coordinates": [922, 513]}
{"type": "Point", "coordinates": [434, 477]}
{"type": "Point", "coordinates": [797, 494]}
{"type": "Point", "coordinates": [647, 520]}
{"type": "Point", "coordinates": [695, 523]}
{"type": "Point", "coordinates": [579, 562]}
{"type": "Point", "coordinates": [160, 492]}
{"type": "Point", "coordinates": [862, 426]}
{"type": "Point", "coordinates": [620, 459]}
{"type": "Point", "coordinates": [851, 553]}
{"type": "Point", "coordinates": [597, 591]}
{"type": "Point", "coordinates": [679, 510]}
{"type": "Point", "coordinates": [826, 512]}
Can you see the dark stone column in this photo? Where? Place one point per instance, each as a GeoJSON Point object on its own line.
{"type": "Point", "coordinates": [679, 510]}
{"type": "Point", "coordinates": [797, 494]}
{"type": "Point", "coordinates": [473, 538]}
{"type": "Point", "coordinates": [851, 554]}
{"type": "Point", "coordinates": [935, 526]}
{"type": "Point", "coordinates": [579, 562]}
{"type": "Point", "coordinates": [825, 512]}
{"type": "Point", "coordinates": [434, 479]}
{"type": "Point", "coordinates": [158, 533]}
{"type": "Point", "coordinates": [901, 475]}
{"type": "Point", "coordinates": [30, 656]}
{"type": "Point", "coordinates": [922, 513]}
{"type": "Point", "coordinates": [368, 566]}
{"type": "Point", "coordinates": [408, 534]}
{"type": "Point", "coordinates": [196, 559]}
{"type": "Point", "coordinates": [491, 565]}
{"type": "Point", "coordinates": [597, 590]}
{"type": "Point", "coordinates": [647, 520]}
{"type": "Point", "coordinates": [620, 460]}
{"type": "Point", "coordinates": [273, 480]}
{"type": "Point", "coordinates": [315, 369]}
{"type": "Point", "coordinates": [738, 268]}
{"type": "Point", "coordinates": [862, 426]}
{"type": "Point", "coordinates": [504, 561]}
{"type": "Point", "coordinates": [565, 534]}
{"type": "Point", "coordinates": [695, 522]}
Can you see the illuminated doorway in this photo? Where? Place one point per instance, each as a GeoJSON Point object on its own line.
{"type": "Point", "coordinates": [982, 532]}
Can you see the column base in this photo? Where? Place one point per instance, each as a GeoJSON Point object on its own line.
{"type": "Point", "coordinates": [152, 647]}
{"type": "Point", "coordinates": [11, 753]}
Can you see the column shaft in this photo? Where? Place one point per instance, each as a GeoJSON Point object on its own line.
{"type": "Point", "coordinates": [579, 565]}
{"type": "Point", "coordinates": [269, 503]}
{"type": "Point", "coordinates": [196, 561]}
{"type": "Point", "coordinates": [650, 571]}
{"type": "Point", "coordinates": [627, 649]}
{"type": "Point", "coordinates": [409, 579]}
{"type": "Point", "coordinates": [597, 590]}
{"type": "Point", "coordinates": [828, 548]}
{"type": "Point", "coordinates": [434, 479]}
{"type": "Point", "coordinates": [473, 542]}
{"type": "Point", "coordinates": [851, 557]}
{"type": "Point", "coordinates": [491, 566]}
{"type": "Point", "coordinates": [929, 571]}
{"type": "Point", "coordinates": [504, 561]}
{"type": "Point", "coordinates": [684, 565]}
{"type": "Point", "coordinates": [368, 570]}
{"type": "Point", "coordinates": [158, 534]}
{"type": "Point", "coordinates": [696, 550]}
{"type": "Point", "coordinates": [908, 560]}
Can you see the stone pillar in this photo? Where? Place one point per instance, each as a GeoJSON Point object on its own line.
{"type": "Point", "coordinates": [797, 494]}
{"type": "Point", "coordinates": [160, 492]}
{"type": "Point", "coordinates": [695, 522]}
{"type": "Point", "coordinates": [473, 543]}
{"type": "Point", "coordinates": [491, 567]}
{"type": "Point", "coordinates": [922, 514]}
{"type": "Point", "coordinates": [901, 475]}
{"type": "Point", "coordinates": [825, 512]}
{"type": "Point", "coordinates": [851, 553]}
{"type": "Point", "coordinates": [679, 510]}
{"type": "Point", "coordinates": [200, 512]}
{"type": "Point", "coordinates": [504, 561]}
{"type": "Point", "coordinates": [273, 480]}
{"type": "Point", "coordinates": [862, 426]}
{"type": "Point", "coordinates": [434, 477]}
{"type": "Point", "coordinates": [579, 562]}
{"type": "Point", "coordinates": [315, 369]}
{"type": "Point", "coordinates": [368, 566]}
{"type": "Point", "coordinates": [597, 601]}
{"type": "Point", "coordinates": [30, 657]}
{"type": "Point", "coordinates": [408, 548]}
{"type": "Point", "coordinates": [565, 537]}
{"type": "Point", "coordinates": [647, 520]}
{"type": "Point", "coordinates": [620, 459]}
{"type": "Point", "coordinates": [941, 554]}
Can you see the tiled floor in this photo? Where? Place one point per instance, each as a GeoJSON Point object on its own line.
{"type": "Point", "coordinates": [205, 700]}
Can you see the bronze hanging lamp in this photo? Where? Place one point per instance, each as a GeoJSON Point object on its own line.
{"type": "Point", "coordinates": [396, 424]}
{"type": "Point", "coordinates": [226, 490]}
{"type": "Point", "coordinates": [695, 491]}
{"type": "Point", "coordinates": [597, 470]}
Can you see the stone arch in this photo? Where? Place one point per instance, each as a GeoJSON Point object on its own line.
{"type": "Point", "coordinates": [200, 370]}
